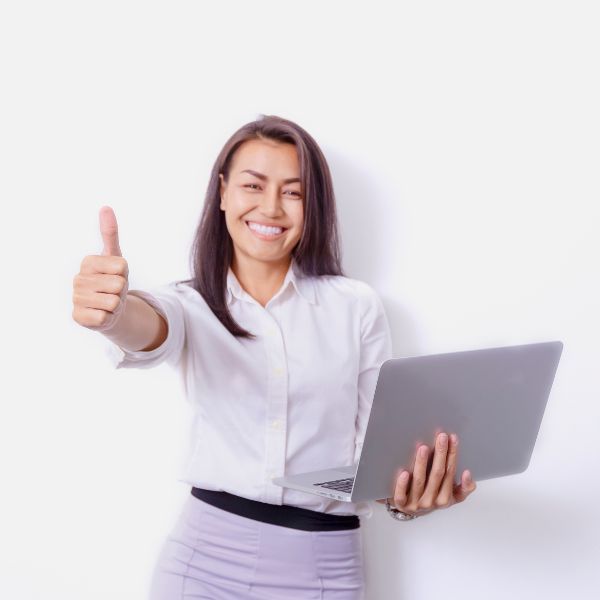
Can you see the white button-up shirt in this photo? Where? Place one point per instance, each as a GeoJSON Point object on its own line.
{"type": "Point", "coordinates": [295, 399]}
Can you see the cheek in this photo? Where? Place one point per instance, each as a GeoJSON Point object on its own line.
{"type": "Point", "coordinates": [297, 214]}
{"type": "Point", "coordinates": [232, 221]}
{"type": "Point", "coordinates": [238, 202]}
{"type": "Point", "coordinates": [235, 214]}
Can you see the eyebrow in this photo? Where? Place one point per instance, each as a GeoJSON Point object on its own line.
{"type": "Point", "coordinates": [264, 177]}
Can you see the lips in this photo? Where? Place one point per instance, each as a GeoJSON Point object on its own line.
{"type": "Point", "coordinates": [265, 236]}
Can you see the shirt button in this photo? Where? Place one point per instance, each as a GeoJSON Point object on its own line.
{"type": "Point", "coordinates": [278, 370]}
{"type": "Point", "coordinates": [275, 423]}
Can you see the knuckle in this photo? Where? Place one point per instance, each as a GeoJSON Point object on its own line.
{"type": "Point", "coordinates": [87, 261]}
{"type": "Point", "coordinates": [120, 283]}
{"type": "Point", "coordinates": [399, 500]}
{"type": "Point", "coordinates": [76, 298]}
{"type": "Point", "coordinates": [79, 281]}
{"type": "Point", "coordinates": [442, 501]}
{"type": "Point", "coordinates": [113, 302]}
{"type": "Point", "coordinates": [121, 264]}
{"type": "Point", "coordinates": [425, 504]}
{"type": "Point", "coordinates": [86, 318]}
{"type": "Point", "coordinates": [439, 471]}
{"type": "Point", "coordinates": [100, 318]}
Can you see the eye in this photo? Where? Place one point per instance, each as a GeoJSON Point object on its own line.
{"type": "Point", "coordinates": [253, 186]}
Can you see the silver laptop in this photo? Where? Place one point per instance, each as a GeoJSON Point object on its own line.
{"type": "Point", "coordinates": [493, 399]}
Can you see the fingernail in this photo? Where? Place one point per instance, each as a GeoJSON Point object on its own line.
{"type": "Point", "coordinates": [404, 475]}
{"type": "Point", "coordinates": [423, 450]}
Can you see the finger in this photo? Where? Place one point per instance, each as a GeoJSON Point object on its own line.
{"type": "Point", "coordinates": [97, 300]}
{"type": "Point", "coordinates": [106, 265]}
{"type": "Point", "coordinates": [419, 475]}
{"type": "Point", "coordinates": [445, 495]}
{"type": "Point", "coordinates": [90, 317]}
{"type": "Point", "coordinates": [401, 490]}
{"type": "Point", "coordinates": [109, 284]}
{"type": "Point", "coordinates": [438, 470]}
{"type": "Point", "coordinates": [466, 487]}
{"type": "Point", "coordinates": [110, 232]}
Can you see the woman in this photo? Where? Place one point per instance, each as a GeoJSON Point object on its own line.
{"type": "Point", "coordinates": [279, 354]}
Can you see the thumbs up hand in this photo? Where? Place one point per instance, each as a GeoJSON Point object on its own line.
{"type": "Point", "coordinates": [100, 287]}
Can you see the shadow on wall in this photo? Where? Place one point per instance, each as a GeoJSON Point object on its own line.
{"type": "Point", "coordinates": [362, 205]}
{"type": "Point", "coordinates": [502, 525]}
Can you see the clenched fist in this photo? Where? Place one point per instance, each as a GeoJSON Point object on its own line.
{"type": "Point", "coordinates": [100, 287]}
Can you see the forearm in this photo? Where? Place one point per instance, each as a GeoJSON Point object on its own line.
{"type": "Point", "coordinates": [139, 327]}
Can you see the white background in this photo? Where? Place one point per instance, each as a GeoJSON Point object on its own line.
{"type": "Point", "coordinates": [463, 138]}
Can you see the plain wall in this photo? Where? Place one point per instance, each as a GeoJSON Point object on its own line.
{"type": "Point", "coordinates": [463, 142]}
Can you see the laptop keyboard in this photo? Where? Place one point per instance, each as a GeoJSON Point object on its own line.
{"type": "Point", "coordinates": [341, 485]}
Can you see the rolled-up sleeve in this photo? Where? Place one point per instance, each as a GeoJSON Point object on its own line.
{"type": "Point", "coordinates": [165, 301]}
{"type": "Point", "coordinates": [375, 349]}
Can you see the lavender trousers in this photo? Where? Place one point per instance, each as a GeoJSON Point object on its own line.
{"type": "Point", "coordinates": [217, 555]}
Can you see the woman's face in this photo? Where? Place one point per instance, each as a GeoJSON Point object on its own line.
{"type": "Point", "coordinates": [263, 189]}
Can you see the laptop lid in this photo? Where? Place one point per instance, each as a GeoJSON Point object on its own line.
{"type": "Point", "coordinates": [492, 398]}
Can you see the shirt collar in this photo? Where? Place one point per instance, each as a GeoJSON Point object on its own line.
{"type": "Point", "coordinates": [302, 284]}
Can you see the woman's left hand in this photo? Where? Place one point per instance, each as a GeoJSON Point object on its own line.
{"type": "Point", "coordinates": [423, 493]}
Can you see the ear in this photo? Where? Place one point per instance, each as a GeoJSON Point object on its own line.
{"type": "Point", "coordinates": [222, 187]}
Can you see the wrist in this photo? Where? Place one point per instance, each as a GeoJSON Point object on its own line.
{"type": "Point", "coordinates": [398, 514]}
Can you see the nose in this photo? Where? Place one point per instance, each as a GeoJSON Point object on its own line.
{"type": "Point", "coordinates": [271, 203]}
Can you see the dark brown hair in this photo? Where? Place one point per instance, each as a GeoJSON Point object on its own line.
{"type": "Point", "coordinates": [316, 253]}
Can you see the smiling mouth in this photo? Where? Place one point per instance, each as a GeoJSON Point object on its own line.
{"type": "Point", "coordinates": [266, 234]}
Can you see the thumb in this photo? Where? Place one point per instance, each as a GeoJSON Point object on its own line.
{"type": "Point", "coordinates": [110, 232]}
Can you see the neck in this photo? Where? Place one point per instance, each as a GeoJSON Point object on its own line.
{"type": "Point", "coordinates": [261, 279]}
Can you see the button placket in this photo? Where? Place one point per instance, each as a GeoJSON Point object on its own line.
{"type": "Point", "coordinates": [276, 410]}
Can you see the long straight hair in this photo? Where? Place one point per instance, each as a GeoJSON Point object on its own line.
{"type": "Point", "coordinates": [316, 253]}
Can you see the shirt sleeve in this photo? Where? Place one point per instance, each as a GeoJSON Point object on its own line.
{"type": "Point", "coordinates": [375, 349]}
{"type": "Point", "coordinates": [167, 303]}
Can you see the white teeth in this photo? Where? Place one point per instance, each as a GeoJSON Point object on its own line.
{"type": "Point", "coordinates": [265, 230]}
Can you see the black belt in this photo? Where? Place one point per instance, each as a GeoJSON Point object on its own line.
{"type": "Point", "coordinates": [285, 515]}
